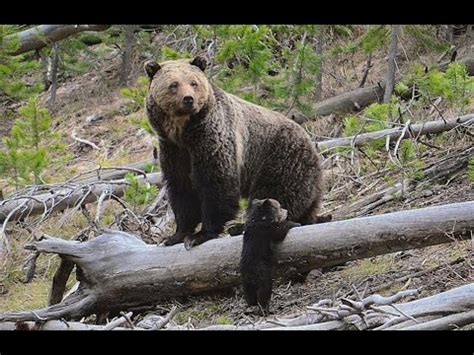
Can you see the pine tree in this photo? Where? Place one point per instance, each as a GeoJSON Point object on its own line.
{"type": "Point", "coordinates": [12, 68]}
{"type": "Point", "coordinates": [29, 145]}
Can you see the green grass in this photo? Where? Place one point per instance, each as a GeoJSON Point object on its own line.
{"type": "Point", "coordinates": [368, 267]}
{"type": "Point", "coordinates": [23, 297]}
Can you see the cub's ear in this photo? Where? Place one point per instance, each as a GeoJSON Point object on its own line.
{"type": "Point", "coordinates": [199, 62]}
{"type": "Point", "coordinates": [256, 202]}
{"type": "Point", "coordinates": [151, 67]}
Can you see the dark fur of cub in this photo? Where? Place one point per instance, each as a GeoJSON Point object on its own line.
{"type": "Point", "coordinates": [265, 225]}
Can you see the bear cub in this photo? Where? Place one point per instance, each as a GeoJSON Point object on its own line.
{"type": "Point", "coordinates": [266, 223]}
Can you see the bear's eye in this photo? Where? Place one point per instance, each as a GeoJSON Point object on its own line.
{"type": "Point", "coordinates": [194, 84]}
{"type": "Point", "coordinates": [173, 85]}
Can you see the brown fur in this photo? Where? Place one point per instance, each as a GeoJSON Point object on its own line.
{"type": "Point", "coordinates": [222, 148]}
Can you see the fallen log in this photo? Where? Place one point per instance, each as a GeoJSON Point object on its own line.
{"type": "Point", "coordinates": [353, 100]}
{"type": "Point", "coordinates": [467, 61]}
{"type": "Point", "coordinates": [444, 311]}
{"type": "Point", "coordinates": [118, 271]}
{"type": "Point", "coordinates": [56, 325]}
{"type": "Point", "coordinates": [357, 99]}
{"type": "Point", "coordinates": [65, 196]}
{"type": "Point", "coordinates": [42, 35]}
{"type": "Point", "coordinates": [439, 170]}
{"type": "Point", "coordinates": [119, 172]}
{"type": "Point", "coordinates": [414, 130]}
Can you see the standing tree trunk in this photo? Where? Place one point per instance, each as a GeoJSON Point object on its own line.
{"type": "Point", "coordinates": [318, 92]}
{"type": "Point", "coordinates": [54, 73]}
{"type": "Point", "coordinates": [450, 34]}
{"type": "Point", "coordinates": [366, 71]}
{"type": "Point", "coordinates": [127, 53]}
{"type": "Point", "coordinates": [390, 78]}
{"type": "Point", "coordinates": [469, 39]}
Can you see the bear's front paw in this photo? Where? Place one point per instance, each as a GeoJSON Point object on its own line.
{"type": "Point", "coordinates": [176, 238]}
{"type": "Point", "coordinates": [198, 238]}
{"type": "Point", "coordinates": [292, 224]}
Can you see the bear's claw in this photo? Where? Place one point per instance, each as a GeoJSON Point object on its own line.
{"type": "Point", "coordinates": [197, 239]}
{"type": "Point", "coordinates": [176, 239]}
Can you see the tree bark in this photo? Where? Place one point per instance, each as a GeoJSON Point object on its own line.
{"type": "Point", "coordinates": [450, 34]}
{"type": "Point", "coordinates": [353, 100]}
{"type": "Point", "coordinates": [127, 53]}
{"type": "Point", "coordinates": [318, 91]}
{"type": "Point", "coordinates": [468, 39]}
{"type": "Point", "coordinates": [366, 71]}
{"type": "Point", "coordinates": [54, 74]}
{"type": "Point", "coordinates": [390, 77]}
{"type": "Point", "coordinates": [42, 35]}
{"type": "Point", "coordinates": [431, 127]}
{"type": "Point", "coordinates": [117, 271]}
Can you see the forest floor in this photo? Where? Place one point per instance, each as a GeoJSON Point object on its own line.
{"type": "Point", "coordinates": [92, 106]}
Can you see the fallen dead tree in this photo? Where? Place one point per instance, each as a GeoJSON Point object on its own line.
{"type": "Point", "coordinates": [118, 172]}
{"type": "Point", "coordinates": [444, 311]}
{"type": "Point", "coordinates": [448, 310]}
{"type": "Point", "coordinates": [43, 35]}
{"type": "Point", "coordinates": [357, 99]}
{"type": "Point", "coordinates": [413, 131]}
{"type": "Point", "coordinates": [467, 61]}
{"type": "Point", "coordinates": [353, 100]}
{"type": "Point", "coordinates": [118, 271]}
{"type": "Point", "coordinates": [439, 170]}
{"type": "Point", "coordinates": [63, 196]}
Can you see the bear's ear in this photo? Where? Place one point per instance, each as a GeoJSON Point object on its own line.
{"type": "Point", "coordinates": [200, 62]}
{"type": "Point", "coordinates": [151, 67]}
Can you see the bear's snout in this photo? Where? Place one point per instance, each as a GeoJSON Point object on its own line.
{"type": "Point", "coordinates": [188, 101]}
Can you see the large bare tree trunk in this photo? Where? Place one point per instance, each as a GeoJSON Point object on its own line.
{"type": "Point", "coordinates": [117, 271]}
{"type": "Point", "coordinates": [54, 74]}
{"type": "Point", "coordinates": [318, 91]}
{"type": "Point", "coordinates": [468, 39]}
{"type": "Point", "coordinates": [390, 77]}
{"type": "Point", "coordinates": [127, 53]}
{"type": "Point", "coordinates": [43, 35]}
{"type": "Point", "coordinates": [415, 130]}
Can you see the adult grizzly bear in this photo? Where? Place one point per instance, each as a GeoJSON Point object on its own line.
{"type": "Point", "coordinates": [216, 147]}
